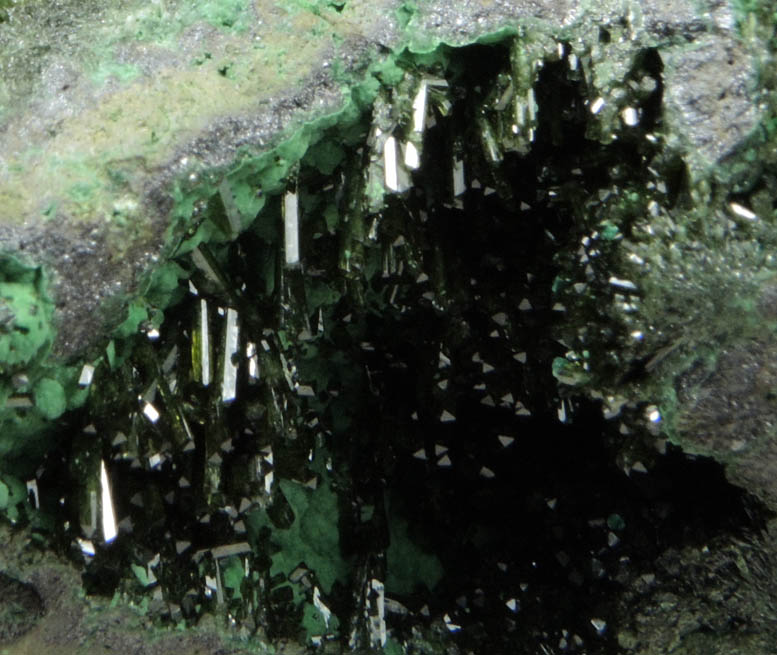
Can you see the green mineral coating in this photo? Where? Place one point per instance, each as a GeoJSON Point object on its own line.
{"type": "Point", "coordinates": [408, 565]}
{"type": "Point", "coordinates": [138, 118]}
{"type": "Point", "coordinates": [314, 623]}
{"type": "Point", "coordinates": [616, 522]}
{"type": "Point", "coordinates": [313, 537]}
{"type": "Point", "coordinates": [141, 574]}
{"type": "Point", "coordinates": [325, 156]}
{"type": "Point", "coordinates": [26, 336]}
{"type": "Point", "coordinates": [27, 330]}
{"type": "Point", "coordinates": [568, 372]}
{"type": "Point", "coordinates": [393, 647]}
{"type": "Point", "coordinates": [14, 493]}
{"type": "Point", "coordinates": [50, 398]}
{"type": "Point", "coordinates": [233, 573]}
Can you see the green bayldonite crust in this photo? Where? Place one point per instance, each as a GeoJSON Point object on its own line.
{"type": "Point", "coordinates": [33, 391]}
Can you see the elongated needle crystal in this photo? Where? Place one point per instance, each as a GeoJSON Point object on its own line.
{"type": "Point", "coordinates": [459, 186]}
{"type": "Point", "coordinates": [230, 207]}
{"type": "Point", "coordinates": [390, 163]}
{"type": "Point", "coordinates": [412, 156]}
{"type": "Point", "coordinates": [219, 588]}
{"type": "Point", "coordinates": [326, 613]}
{"type": "Point", "coordinates": [92, 527]}
{"type": "Point", "coordinates": [419, 108]}
{"type": "Point", "coordinates": [378, 615]}
{"type": "Point", "coordinates": [32, 487]}
{"type": "Point", "coordinates": [253, 361]}
{"type": "Point", "coordinates": [291, 228]}
{"type": "Point", "coordinates": [109, 518]}
{"type": "Point", "coordinates": [204, 343]}
{"type": "Point", "coordinates": [229, 380]}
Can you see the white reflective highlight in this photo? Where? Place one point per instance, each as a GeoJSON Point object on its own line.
{"type": "Point", "coordinates": [412, 156]}
{"type": "Point", "coordinates": [151, 412]}
{"type": "Point", "coordinates": [229, 379]}
{"type": "Point", "coordinates": [291, 228]}
{"type": "Point", "coordinates": [419, 108]}
{"type": "Point", "coordinates": [204, 343]}
{"type": "Point", "coordinates": [452, 627]}
{"type": "Point", "coordinates": [109, 518]}
{"type": "Point", "coordinates": [600, 625]}
{"type": "Point", "coordinates": [376, 611]}
{"type": "Point", "coordinates": [447, 417]}
{"type": "Point", "coordinates": [628, 285]}
{"type": "Point", "coordinates": [87, 373]}
{"type": "Point", "coordinates": [458, 177]}
{"type": "Point", "coordinates": [253, 361]}
{"type": "Point", "coordinates": [326, 613]}
{"type": "Point", "coordinates": [32, 487]}
{"type": "Point", "coordinates": [390, 163]}
{"type": "Point", "coordinates": [742, 211]}
{"type": "Point", "coordinates": [630, 116]}
{"type": "Point", "coordinates": [87, 547]}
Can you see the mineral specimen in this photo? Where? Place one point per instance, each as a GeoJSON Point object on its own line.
{"type": "Point", "coordinates": [330, 283]}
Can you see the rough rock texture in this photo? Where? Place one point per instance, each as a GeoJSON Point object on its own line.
{"type": "Point", "coordinates": [20, 608]}
{"type": "Point", "coordinates": [709, 89]}
{"type": "Point", "coordinates": [728, 412]}
{"type": "Point", "coordinates": [48, 613]}
{"type": "Point", "coordinates": [96, 136]}
{"type": "Point", "coordinates": [105, 110]}
{"type": "Point", "coordinates": [727, 584]}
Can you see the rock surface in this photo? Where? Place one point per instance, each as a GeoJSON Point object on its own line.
{"type": "Point", "coordinates": [20, 608]}
{"type": "Point", "coordinates": [49, 614]}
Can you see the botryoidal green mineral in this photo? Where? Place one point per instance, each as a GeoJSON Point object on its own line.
{"type": "Point", "coordinates": [223, 239]}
